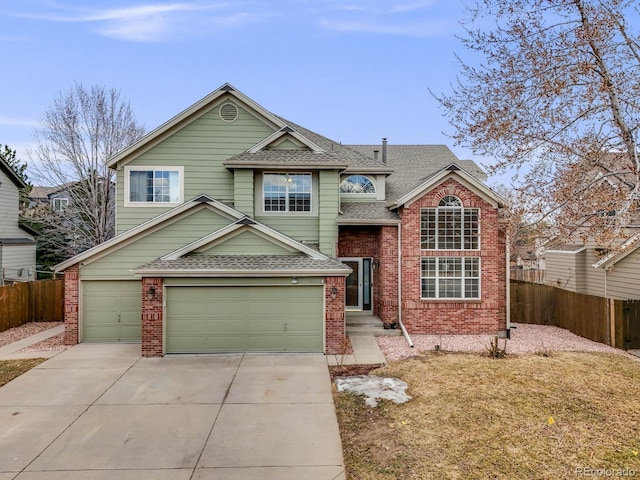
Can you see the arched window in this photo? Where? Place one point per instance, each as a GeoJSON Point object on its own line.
{"type": "Point", "coordinates": [450, 201]}
{"type": "Point", "coordinates": [357, 184]}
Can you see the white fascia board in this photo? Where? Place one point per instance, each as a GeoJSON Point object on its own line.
{"type": "Point", "coordinates": [567, 252]}
{"type": "Point", "coordinates": [148, 225]}
{"type": "Point", "coordinates": [202, 273]}
{"type": "Point", "coordinates": [468, 180]}
{"type": "Point", "coordinates": [226, 230]}
{"type": "Point", "coordinates": [202, 104]}
{"type": "Point", "coordinates": [283, 132]}
{"type": "Point", "coordinates": [626, 249]}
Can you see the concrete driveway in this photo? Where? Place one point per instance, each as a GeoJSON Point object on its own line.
{"type": "Point", "coordinates": [102, 412]}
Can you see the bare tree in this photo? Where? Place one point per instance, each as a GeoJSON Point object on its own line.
{"type": "Point", "coordinates": [80, 131]}
{"type": "Point", "coordinates": [558, 93]}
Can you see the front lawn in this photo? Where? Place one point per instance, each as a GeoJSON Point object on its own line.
{"type": "Point", "coordinates": [522, 417]}
{"type": "Point", "coordinates": [10, 369]}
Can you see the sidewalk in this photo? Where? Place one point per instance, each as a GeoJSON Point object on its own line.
{"type": "Point", "coordinates": [12, 350]}
{"type": "Point", "coordinates": [365, 352]}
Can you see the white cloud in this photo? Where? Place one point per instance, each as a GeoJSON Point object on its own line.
{"type": "Point", "coordinates": [150, 22]}
{"type": "Point", "coordinates": [426, 29]}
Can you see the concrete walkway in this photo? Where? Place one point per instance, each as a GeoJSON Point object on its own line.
{"type": "Point", "coordinates": [100, 411]}
{"type": "Point", "coordinates": [12, 350]}
{"type": "Point", "coordinates": [365, 352]}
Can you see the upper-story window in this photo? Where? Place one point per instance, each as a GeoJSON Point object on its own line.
{"type": "Point", "coordinates": [450, 226]}
{"type": "Point", "coordinates": [153, 186]}
{"type": "Point", "coordinates": [287, 192]}
{"type": "Point", "coordinates": [59, 204]}
{"type": "Point", "coordinates": [358, 184]}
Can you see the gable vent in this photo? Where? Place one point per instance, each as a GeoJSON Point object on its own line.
{"type": "Point", "coordinates": [229, 112]}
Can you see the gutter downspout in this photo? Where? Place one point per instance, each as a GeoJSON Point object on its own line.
{"type": "Point", "coordinates": [404, 330]}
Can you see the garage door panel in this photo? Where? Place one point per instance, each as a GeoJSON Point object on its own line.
{"type": "Point", "coordinates": [238, 319]}
{"type": "Point", "coordinates": [111, 311]}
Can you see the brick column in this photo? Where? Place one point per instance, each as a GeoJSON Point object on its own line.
{"type": "Point", "coordinates": [71, 288]}
{"type": "Point", "coordinates": [335, 330]}
{"type": "Point", "coordinates": [152, 318]}
{"type": "Point", "coordinates": [388, 274]}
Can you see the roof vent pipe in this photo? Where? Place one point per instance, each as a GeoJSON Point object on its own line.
{"type": "Point", "coordinates": [375, 154]}
{"type": "Point", "coordinates": [384, 150]}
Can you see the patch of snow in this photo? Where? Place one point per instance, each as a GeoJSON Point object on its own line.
{"type": "Point", "coordinates": [374, 388]}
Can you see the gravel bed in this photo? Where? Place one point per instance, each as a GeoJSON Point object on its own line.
{"type": "Point", "coordinates": [52, 343]}
{"type": "Point", "coordinates": [525, 339]}
{"type": "Point", "coordinates": [24, 331]}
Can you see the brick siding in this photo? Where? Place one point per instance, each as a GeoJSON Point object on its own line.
{"type": "Point", "coordinates": [484, 316]}
{"type": "Point", "coordinates": [71, 292]}
{"type": "Point", "coordinates": [152, 318]}
{"type": "Point", "coordinates": [335, 328]}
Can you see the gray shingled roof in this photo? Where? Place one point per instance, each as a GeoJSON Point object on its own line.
{"type": "Point", "coordinates": [286, 158]}
{"type": "Point", "coordinates": [241, 263]}
{"type": "Point", "coordinates": [356, 212]}
{"type": "Point", "coordinates": [414, 164]}
{"type": "Point", "coordinates": [354, 159]}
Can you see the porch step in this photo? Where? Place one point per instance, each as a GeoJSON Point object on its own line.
{"type": "Point", "coordinates": [368, 325]}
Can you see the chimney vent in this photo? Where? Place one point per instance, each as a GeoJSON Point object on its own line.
{"type": "Point", "coordinates": [375, 154]}
{"type": "Point", "coordinates": [384, 150]}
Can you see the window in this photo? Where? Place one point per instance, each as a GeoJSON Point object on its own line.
{"type": "Point", "coordinates": [59, 204]}
{"type": "Point", "coordinates": [451, 277]}
{"type": "Point", "coordinates": [287, 192]}
{"type": "Point", "coordinates": [450, 226]}
{"type": "Point", "coordinates": [358, 184]}
{"type": "Point", "coordinates": [154, 186]}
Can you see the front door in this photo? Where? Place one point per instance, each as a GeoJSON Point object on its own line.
{"type": "Point", "coordinates": [359, 284]}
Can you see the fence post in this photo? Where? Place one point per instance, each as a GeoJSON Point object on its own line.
{"type": "Point", "coordinates": [612, 322]}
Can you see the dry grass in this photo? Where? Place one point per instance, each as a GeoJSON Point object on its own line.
{"type": "Point", "coordinates": [10, 369]}
{"type": "Point", "coordinates": [472, 417]}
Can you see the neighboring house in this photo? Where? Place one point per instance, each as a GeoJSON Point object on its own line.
{"type": "Point", "coordinates": [588, 269]}
{"type": "Point", "coordinates": [239, 231]}
{"type": "Point", "coordinates": [17, 244]}
{"type": "Point", "coordinates": [57, 198]}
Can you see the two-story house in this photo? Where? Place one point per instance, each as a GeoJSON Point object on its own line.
{"type": "Point", "coordinates": [17, 243]}
{"type": "Point", "coordinates": [237, 230]}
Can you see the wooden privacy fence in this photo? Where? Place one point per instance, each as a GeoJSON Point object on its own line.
{"type": "Point", "coordinates": [614, 322]}
{"type": "Point", "coordinates": [534, 276]}
{"type": "Point", "coordinates": [39, 301]}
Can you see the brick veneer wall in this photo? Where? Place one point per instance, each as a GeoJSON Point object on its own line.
{"type": "Point", "coordinates": [335, 332]}
{"type": "Point", "coordinates": [387, 271]}
{"type": "Point", "coordinates": [381, 244]}
{"type": "Point", "coordinates": [152, 318]}
{"type": "Point", "coordinates": [484, 316]}
{"type": "Point", "coordinates": [71, 292]}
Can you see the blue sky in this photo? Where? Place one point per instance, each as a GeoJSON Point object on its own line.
{"type": "Point", "coordinates": [352, 70]}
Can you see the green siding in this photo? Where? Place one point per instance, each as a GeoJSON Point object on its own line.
{"type": "Point", "coordinates": [111, 311]}
{"type": "Point", "coordinates": [328, 211]}
{"type": "Point", "coordinates": [200, 146]}
{"type": "Point", "coordinates": [185, 230]}
{"type": "Point", "coordinates": [244, 319]}
{"type": "Point", "coordinates": [624, 280]}
{"type": "Point", "coordinates": [302, 228]}
{"type": "Point", "coordinates": [243, 191]}
{"type": "Point", "coordinates": [287, 144]}
{"type": "Point", "coordinates": [248, 243]}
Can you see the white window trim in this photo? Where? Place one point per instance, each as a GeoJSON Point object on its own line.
{"type": "Point", "coordinates": [64, 202]}
{"type": "Point", "coordinates": [437, 278]}
{"type": "Point", "coordinates": [359, 195]}
{"type": "Point", "coordinates": [130, 168]}
{"type": "Point", "coordinates": [462, 209]}
{"type": "Point", "coordinates": [286, 213]}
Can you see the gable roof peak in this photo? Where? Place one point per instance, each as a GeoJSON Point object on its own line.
{"type": "Point", "coordinates": [227, 87]}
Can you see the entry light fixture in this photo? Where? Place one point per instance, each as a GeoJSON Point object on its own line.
{"type": "Point", "coordinates": [294, 280]}
{"type": "Point", "coordinates": [151, 293]}
{"type": "Point", "coordinates": [334, 292]}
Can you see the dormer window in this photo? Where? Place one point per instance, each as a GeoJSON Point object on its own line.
{"type": "Point", "coordinates": [357, 184]}
{"type": "Point", "coordinates": [287, 192]}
